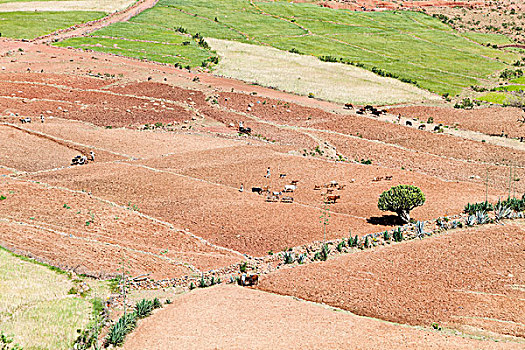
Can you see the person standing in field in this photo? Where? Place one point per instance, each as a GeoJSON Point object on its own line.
{"type": "Point", "coordinates": [267, 173]}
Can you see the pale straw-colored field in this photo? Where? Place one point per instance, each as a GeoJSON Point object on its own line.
{"type": "Point", "coordinates": [304, 74]}
{"type": "Point", "coordinates": [84, 5]}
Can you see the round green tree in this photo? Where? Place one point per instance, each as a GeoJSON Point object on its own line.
{"type": "Point", "coordinates": [401, 200]}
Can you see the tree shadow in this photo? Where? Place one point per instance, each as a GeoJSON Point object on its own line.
{"type": "Point", "coordinates": [385, 220]}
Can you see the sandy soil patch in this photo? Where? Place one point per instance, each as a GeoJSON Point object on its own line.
{"type": "Point", "coordinates": [306, 74]}
{"type": "Point", "coordinates": [463, 279]}
{"type": "Point", "coordinates": [81, 5]}
{"type": "Point", "coordinates": [229, 317]}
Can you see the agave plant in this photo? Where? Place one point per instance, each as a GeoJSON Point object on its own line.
{"type": "Point", "coordinates": [288, 257]}
{"type": "Point", "coordinates": [502, 211]}
{"type": "Point", "coordinates": [341, 245]}
{"type": "Point", "coordinates": [398, 235]}
{"type": "Point", "coordinates": [420, 229]}
{"type": "Point", "coordinates": [481, 217]}
{"type": "Point", "coordinates": [143, 308]}
{"type": "Point", "coordinates": [440, 222]}
{"type": "Point", "coordinates": [470, 220]}
{"type": "Point", "coordinates": [454, 224]}
{"type": "Point", "coordinates": [301, 259]}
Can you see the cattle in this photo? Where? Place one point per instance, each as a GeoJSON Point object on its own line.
{"type": "Point", "coordinates": [368, 107]}
{"type": "Point", "coordinates": [25, 120]}
{"type": "Point", "coordinates": [341, 187]}
{"type": "Point", "coordinates": [243, 130]}
{"type": "Point", "coordinates": [92, 156]}
{"type": "Point", "coordinates": [294, 182]}
{"type": "Point", "coordinates": [332, 184]}
{"type": "Point", "coordinates": [282, 176]}
{"type": "Point", "coordinates": [79, 160]}
{"type": "Point", "coordinates": [360, 111]}
{"type": "Point", "coordinates": [409, 123]}
{"type": "Point", "coordinates": [388, 178]}
{"type": "Point", "coordinates": [287, 199]}
{"type": "Point", "coordinates": [289, 188]}
{"type": "Point", "coordinates": [257, 190]}
{"type": "Point", "coordinates": [349, 106]}
{"type": "Point", "coordinates": [332, 198]}
{"type": "Point", "coordinates": [248, 280]}
{"type": "Point", "coordinates": [437, 128]}
{"type": "Point", "coordinates": [376, 113]}
{"type": "Point", "coordinates": [317, 187]}
{"type": "Point", "coordinates": [271, 198]}
{"type": "Point", "coordinates": [376, 179]}
{"type": "Point", "coordinates": [422, 127]}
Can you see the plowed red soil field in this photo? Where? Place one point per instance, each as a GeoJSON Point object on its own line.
{"type": "Point", "coordinates": [470, 279]}
{"type": "Point", "coordinates": [490, 121]}
{"type": "Point", "coordinates": [45, 217]}
{"type": "Point", "coordinates": [229, 317]}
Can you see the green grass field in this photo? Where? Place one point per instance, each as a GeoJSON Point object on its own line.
{"type": "Point", "coordinates": [128, 39]}
{"type": "Point", "coordinates": [511, 88]}
{"type": "Point", "coordinates": [494, 97]}
{"type": "Point", "coordinates": [29, 25]}
{"type": "Point", "coordinates": [520, 80]}
{"type": "Point", "coordinates": [35, 306]}
{"type": "Point", "coordinates": [410, 45]}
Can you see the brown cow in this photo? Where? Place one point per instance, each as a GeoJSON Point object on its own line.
{"type": "Point", "coordinates": [249, 280]}
{"type": "Point", "coordinates": [332, 198]}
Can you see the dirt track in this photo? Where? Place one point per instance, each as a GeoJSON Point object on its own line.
{"type": "Point", "coordinates": [229, 317]}
{"type": "Point", "coordinates": [88, 27]}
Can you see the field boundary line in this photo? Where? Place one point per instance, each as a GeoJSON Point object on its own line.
{"type": "Point", "coordinates": [61, 141]}
{"type": "Point", "coordinates": [311, 129]}
{"type": "Point", "coordinates": [92, 240]}
{"type": "Point", "coordinates": [151, 218]}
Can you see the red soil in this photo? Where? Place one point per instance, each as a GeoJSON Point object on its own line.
{"type": "Point", "coordinates": [488, 121]}
{"type": "Point", "coordinates": [229, 317]}
{"type": "Point", "coordinates": [376, 5]}
{"type": "Point", "coordinates": [87, 225]}
{"type": "Point", "coordinates": [462, 279]}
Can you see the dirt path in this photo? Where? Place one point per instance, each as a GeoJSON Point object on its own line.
{"type": "Point", "coordinates": [88, 27]}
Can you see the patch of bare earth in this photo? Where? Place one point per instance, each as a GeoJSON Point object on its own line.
{"type": "Point", "coordinates": [230, 317]}
{"type": "Point", "coordinates": [465, 279]}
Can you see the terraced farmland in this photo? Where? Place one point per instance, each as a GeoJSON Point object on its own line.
{"type": "Point", "coordinates": [410, 45]}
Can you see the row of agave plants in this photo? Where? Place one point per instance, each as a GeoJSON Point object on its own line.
{"type": "Point", "coordinates": [475, 214]}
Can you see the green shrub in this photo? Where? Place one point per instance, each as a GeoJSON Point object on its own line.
{"type": "Point", "coordinates": [156, 303]}
{"type": "Point", "coordinates": [401, 199]}
{"type": "Point", "coordinates": [6, 342]}
{"type": "Point", "coordinates": [288, 257]}
{"type": "Point", "coordinates": [243, 267]}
